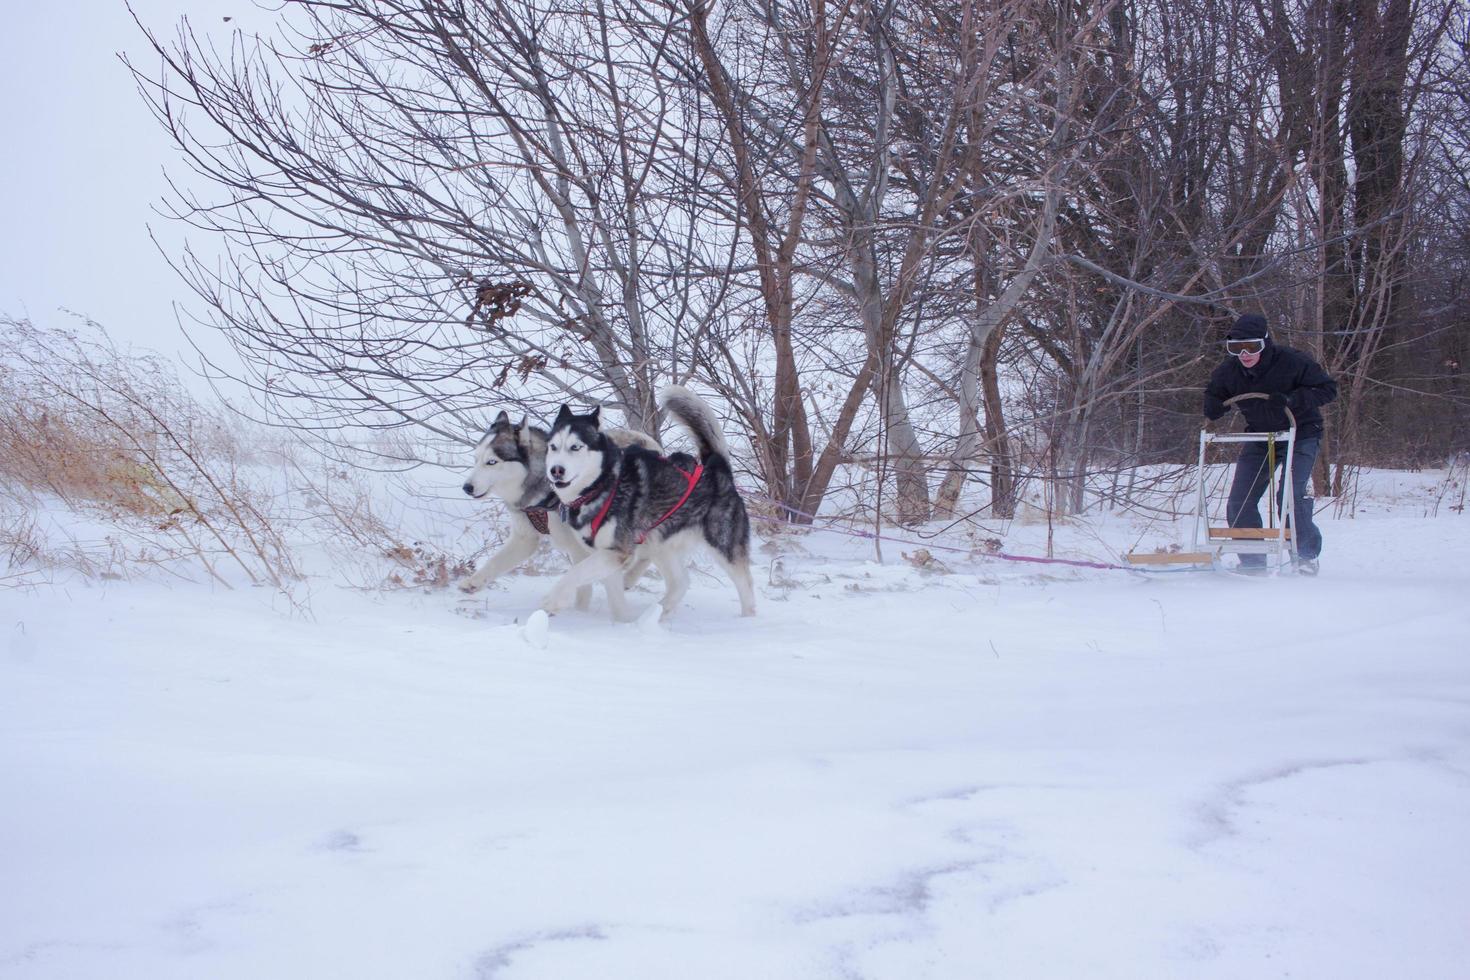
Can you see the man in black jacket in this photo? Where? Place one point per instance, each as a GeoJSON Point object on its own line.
{"type": "Point", "coordinates": [1292, 380]}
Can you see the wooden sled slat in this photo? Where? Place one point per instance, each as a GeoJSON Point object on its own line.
{"type": "Point", "coordinates": [1177, 558]}
{"type": "Point", "coordinates": [1250, 533]}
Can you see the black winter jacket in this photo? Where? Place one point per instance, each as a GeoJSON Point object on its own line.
{"type": "Point", "coordinates": [1281, 370]}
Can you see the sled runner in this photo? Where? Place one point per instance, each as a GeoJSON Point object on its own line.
{"type": "Point", "coordinates": [1209, 545]}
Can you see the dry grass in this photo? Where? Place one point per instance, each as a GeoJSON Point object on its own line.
{"type": "Point", "coordinates": [115, 436]}
{"type": "Point", "coordinates": [367, 547]}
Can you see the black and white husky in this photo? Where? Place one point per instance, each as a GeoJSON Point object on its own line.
{"type": "Point", "coordinates": [630, 504]}
{"type": "Point", "coordinates": [510, 463]}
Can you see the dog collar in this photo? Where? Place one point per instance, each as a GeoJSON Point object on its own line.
{"type": "Point", "coordinates": [567, 509]}
{"type": "Point", "coordinates": [540, 519]}
{"type": "Point", "coordinates": [589, 495]}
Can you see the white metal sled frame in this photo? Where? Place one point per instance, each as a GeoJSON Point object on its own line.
{"type": "Point", "coordinates": [1208, 544]}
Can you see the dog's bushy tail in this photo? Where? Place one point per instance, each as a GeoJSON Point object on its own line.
{"type": "Point", "coordinates": [693, 414]}
{"type": "Point", "coordinates": [726, 523]}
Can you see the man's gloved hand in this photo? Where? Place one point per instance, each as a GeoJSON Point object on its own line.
{"type": "Point", "coordinates": [1212, 416]}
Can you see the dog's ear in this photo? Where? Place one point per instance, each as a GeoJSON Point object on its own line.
{"type": "Point", "coordinates": [524, 424]}
{"type": "Point", "coordinates": [563, 417]}
{"type": "Point", "coordinates": [523, 438]}
{"type": "Point", "coordinates": [596, 416]}
{"type": "Point", "coordinates": [501, 419]}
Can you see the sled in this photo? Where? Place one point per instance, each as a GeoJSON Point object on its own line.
{"type": "Point", "coordinates": [1208, 545]}
{"type": "Point", "coordinates": [1172, 557]}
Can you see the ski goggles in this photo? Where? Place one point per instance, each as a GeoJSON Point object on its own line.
{"type": "Point", "coordinates": [1239, 347]}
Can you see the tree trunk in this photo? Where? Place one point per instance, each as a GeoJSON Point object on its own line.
{"type": "Point", "coordinates": [946, 500]}
{"type": "Point", "coordinates": [997, 440]}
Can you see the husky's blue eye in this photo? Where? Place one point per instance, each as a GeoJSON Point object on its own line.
{"type": "Point", "coordinates": [575, 449]}
{"type": "Point", "coordinates": [491, 462]}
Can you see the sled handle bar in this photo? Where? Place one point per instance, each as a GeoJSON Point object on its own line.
{"type": "Point", "coordinates": [1230, 402]}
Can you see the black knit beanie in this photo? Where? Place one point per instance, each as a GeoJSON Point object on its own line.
{"type": "Point", "coordinates": [1252, 326]}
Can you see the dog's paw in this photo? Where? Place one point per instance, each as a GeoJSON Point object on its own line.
{"type": "Point", "coordinates": [469, 587]}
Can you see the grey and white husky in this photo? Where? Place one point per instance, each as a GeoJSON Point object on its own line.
{"type": "Point", "coordinates": [630, 504]}
{"type": "Point", "coordinates": [510, 463]}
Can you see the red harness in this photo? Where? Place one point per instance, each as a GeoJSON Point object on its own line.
{"type": "Point", "coordinates": [693, 478]}
{"type": "Point", "coordinates": [606, 506]}
{"type": "Point", "coordinates": [612, 492]}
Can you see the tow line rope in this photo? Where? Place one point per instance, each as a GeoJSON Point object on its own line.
{"type": "Point", "coordinates": [1001, 555]}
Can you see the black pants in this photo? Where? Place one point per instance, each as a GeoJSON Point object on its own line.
{"type": "Point", "coordinates": [1251, 481]}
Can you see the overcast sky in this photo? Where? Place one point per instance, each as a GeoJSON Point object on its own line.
{"type": "Point", "coordinates": [81, 170]}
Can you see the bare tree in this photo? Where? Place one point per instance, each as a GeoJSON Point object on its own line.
{"type": "Point", "coordinates": [428, 207]}
{"type": "Point", "coordinates": [914, 242]}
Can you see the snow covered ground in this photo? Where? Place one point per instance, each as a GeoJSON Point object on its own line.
{"type": "Point", "coordinates": [989, 770]}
